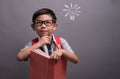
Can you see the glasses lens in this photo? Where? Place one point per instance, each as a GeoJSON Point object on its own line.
{"type": "Point", "coordinates": [39, 22]}
{"type": "Point", "coordinates": [48, 22]}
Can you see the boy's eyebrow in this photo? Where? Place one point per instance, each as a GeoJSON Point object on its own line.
{"type": "Point", "coordinates": [38, 20]}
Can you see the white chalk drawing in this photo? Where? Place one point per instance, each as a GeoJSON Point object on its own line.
{"type": "Point", "coordinates": [72, 11]}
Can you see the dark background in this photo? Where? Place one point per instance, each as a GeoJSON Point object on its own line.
{"type": "Point", "coordinates": [94, 36]}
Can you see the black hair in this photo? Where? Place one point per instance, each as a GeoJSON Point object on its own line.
{"type": "Point", "coordinates": [44, 11]}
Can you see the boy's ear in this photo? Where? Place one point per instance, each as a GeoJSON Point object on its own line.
{"type": "Point", "coordinates": [32, 25]}
{"type": "Point", "coordinates": [55, 26]}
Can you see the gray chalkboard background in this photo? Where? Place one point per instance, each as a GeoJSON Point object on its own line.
{"type": "Point", "coordinates": [94, 35]}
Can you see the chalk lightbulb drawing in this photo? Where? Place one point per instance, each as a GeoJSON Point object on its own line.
{"type": "Point", "coordinates": [72, 11]}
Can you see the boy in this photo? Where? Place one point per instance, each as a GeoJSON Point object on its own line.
{"type": "Point", "coordinates": [44, 23]}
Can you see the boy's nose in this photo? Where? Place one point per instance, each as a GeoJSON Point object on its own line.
{"type": "Point", "coordinates": [43, 25]}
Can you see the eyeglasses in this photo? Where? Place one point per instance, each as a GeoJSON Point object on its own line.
{"type": "Point", "coordinates": [46, 22]}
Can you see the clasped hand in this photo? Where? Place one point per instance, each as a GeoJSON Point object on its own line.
{"type": "Point", "coordinates": [56, 55]}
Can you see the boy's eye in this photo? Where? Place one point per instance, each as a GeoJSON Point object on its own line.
{"type": "Point", "coordinates": [47, 22]}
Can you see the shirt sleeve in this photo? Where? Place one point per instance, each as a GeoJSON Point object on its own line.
{"type": "Point", "coordinates": [65, 45]}
{"type": "Point", "coordinates": [27, 45]}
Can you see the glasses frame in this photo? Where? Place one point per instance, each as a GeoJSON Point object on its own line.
{"type": "Point", "coordinates": [47, 23]}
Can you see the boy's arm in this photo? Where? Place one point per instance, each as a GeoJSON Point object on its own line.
{"type": "Point", "coordinates": [66, 51]}
{"type": "Point", "coordinates": [70, 56]}
{"type": "Point", "coordinates": [24, 54]}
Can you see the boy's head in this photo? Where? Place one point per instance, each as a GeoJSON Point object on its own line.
{"type": "Point", "coordinates": [44, 22]}
{"type": "Point", "coordinates": [44, 11]}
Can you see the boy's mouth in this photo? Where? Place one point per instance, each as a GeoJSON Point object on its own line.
{"type": "Point", "coordinates": [44, 32]}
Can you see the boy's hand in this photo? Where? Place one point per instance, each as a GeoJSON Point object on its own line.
{"type": "Point", "coordinates": [56, 55]}
{"type": "Point", "coordinates": [45, 40]}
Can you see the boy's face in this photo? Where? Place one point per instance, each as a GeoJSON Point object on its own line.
{"type": "Point", "coordinates": [44, 25]}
